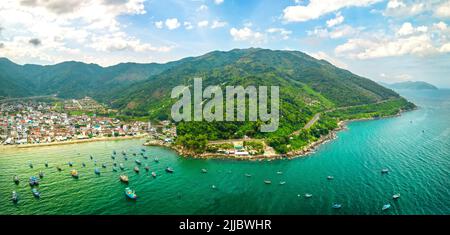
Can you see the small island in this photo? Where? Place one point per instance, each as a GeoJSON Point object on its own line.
{"type": "Point", "coordinates": [411, 85]}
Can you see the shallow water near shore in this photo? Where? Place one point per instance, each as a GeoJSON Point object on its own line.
{"type": "Point", "coordinates": [415, 147]}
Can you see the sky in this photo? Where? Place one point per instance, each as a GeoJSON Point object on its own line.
{"type": "Point", "coordinates": [384, 40]}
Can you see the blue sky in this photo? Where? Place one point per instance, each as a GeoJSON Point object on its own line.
{"type": "Point", "coordinates": [384, 40]}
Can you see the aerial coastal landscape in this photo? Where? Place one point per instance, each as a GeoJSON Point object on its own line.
{"type": "Point", "coordinates": [88, 109]}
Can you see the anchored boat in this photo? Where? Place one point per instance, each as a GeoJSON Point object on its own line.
{"type": "Point", "coordinates": [74, 173]}
{"type": "Point", "coordinates": [16, 179]}
{"type": "Point", "coordinates": [15, 197]}
{"type": "Point", "coordinates": [336, 206]}
{"type": "Point", "coordinates": [36, 193]}
{"type": "Point", "coordinates": [267, 181]}
{"type": "Point", "coordinates": [123, 178]}
{"type": "Point", "coordinates": [396, 196]}
{"type": "Point", "coordinates": [308, 195]}
{"type": "Point", "coordinates": [385, 171]}
{"type": "Point", "coordinates": [136, 169]}
{"type": "Point", "coordinates": [204, 170]}
{"type": "Point", "coordinates": [97, 171]}
{"type": "Point", "coordinates": [154, 174]}
{"type": "Point", "coordinates": [386, 206]}
{"type": "Point", "coordinates": [138, 162]}
{"type": "Point", "coordinates": [41, 174]}
{"type": "Point", "coordinates": [130, 193]}
{"type": "Point", "coordinates": [34, 181]}
{"type": "Point", "coordinates": [169, 170]}
{"type": "Point", "coordinates": [330, 177]}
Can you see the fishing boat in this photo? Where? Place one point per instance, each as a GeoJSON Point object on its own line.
{"type": "Point", "coordinates": [59, 168]}
{"type": "Point", "coordinates": [16, 179]}
{"type": "Point", "coordinates": [113, 157]}
{"type": "Point", "coordinates": [248, 175]}
{"type": "Point", "coordinates": [143, 150]}
{"type": "Point", "coordinates": [41, 174]}
{"type": "Point", "coordinates": [123, 178]}
{"type": "Point", "coordinates": [145, 157]}
{"type": "Point", "coordinates": [336, 206]}
{"type": "Point", "coordinates": [153, 174]}
{"type": "Point", "coordinates": [104, 165]}
{"type": "Point", "coordinates": [36, 193]}
{"type": "Point", "coordinates": [130, 194]}
{"type": "Point", "coordinates": [156, 159]}
{"type": "Point", "coordinates": [114, 164]}
{"type": "Point", "coordinates": [267, 181]}
{"type": "Point", "coordinates": [91, 157]}
{"type": "Point", "coordinates": [114, 169]}
{"type": "Point", "coordinates": [396, 196]}
{"type": "Point", "coordinates": [136, 169]}
{"type": "Point", "coordinates": [279, 172]}
{"type": "Point", "coordinates": [97, 171]}
{"type": "Point", "coordinates": [282, 182]}
{"type": "Point", "coordinates": [386, 206]}
{"type": "Point", "coordinates": [34, 181]}
{"type": "Point", "coordinates": [15, 197]}
{"type": "Point", "coordinates": [121, 166]}
{"type": "Point", "coordinates": [74, 173]}
{"type": "Point", "coordinates": [30, 164]}
{"type": "Point", "coordinates": [114, 152]}
{"type": "Point", "coordinates": [124, 153]}
{"type": "Point", "coordinates": [308, 195]}
{"type": "Point", "coordinates": [330, 177]}
{"type": "Point", "coordinates": [169, 170]}
{"type": "Point", "coordinates": [147, 168]}
{"type": "Point", "coordinates": [125, 158]}
{"type": "Point", "coordinates": [46, 164]}
{"type": "Point", "coordinates": [384, 171]}
{"type": "Point", "coordinates": [70, 164]}
{"type": "Point", "coordinates": [138, 162]}
{"type": "Point", "coordinates": [83, 164]}
{"type": "Point", "coordinates": [204, 170]}
{"type": "Point", "coordinates": [213, 186]}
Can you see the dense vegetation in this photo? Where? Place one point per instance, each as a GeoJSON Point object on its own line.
{"type": "Point", "coordinates": [142, 91]}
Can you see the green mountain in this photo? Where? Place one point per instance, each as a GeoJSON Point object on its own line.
{"type": "Point", "coordinates": [72, 79]}
{"type": "Point", "coordinates": [419, 85]}
{"type": "Point", "coordinates": [308, 87]}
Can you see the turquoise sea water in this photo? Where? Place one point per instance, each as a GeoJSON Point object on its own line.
{"type": "Point", "coordinates": [414, 147]}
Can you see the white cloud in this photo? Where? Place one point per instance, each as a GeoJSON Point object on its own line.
{"type": "Point", "coordinates": [203, 24]}
{"type": "Point", "coordinates": [335, 21]}
{"type": "Point", "coordinates": [218, 2]}
{"type": "Point", "coordinates": [246, 34]}
{"type": "Point", "coordinates": [120, 41]}
{"type": "Point", "coordinates": [363, 48]}
{"type": "Point", "coordinates": [317, 8]}
{"type": "Point", "coordinates": [337, 32]}
{"type": "Point", "coordinates": [218, 24]}
{"type": "Point", "coordinates": [320, 55]}
{"type": "Point", "coordinates": [68, 28]}
{"type": "Point", "coordinates": [443, 10]}
{"type": "Point", "coordinates": [202, 7]}
{"type": "Point", "coordinates": [442, 26]}
{"type": "Point", "coordinates": [282, 32]}
{"type": "Point", "coordinates": [408, 29]}
{"type": "Point", "coordinates": [159, 24]}
{"type": "Point", "coordinates": [188, 25]}
{"type": "Point", "coordinates": [172, 23]}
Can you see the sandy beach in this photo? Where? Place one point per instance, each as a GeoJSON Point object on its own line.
{"type": "Point", "coordinates": [9, 147]}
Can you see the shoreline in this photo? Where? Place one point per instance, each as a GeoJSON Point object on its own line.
{"type": "Point", "coordinates": [305, 151]}
{"type": "Point", "coordinates": [24, 146]}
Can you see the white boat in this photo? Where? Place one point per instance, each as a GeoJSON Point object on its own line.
{"type": "Point", "coordinates": [308, 195]}
{"type": "Point", "coordinates": [282, 182]}
{"type": "Point", "coordinates": [267, 181]}
{"type": "Point", "coordinates": [330, 177]}
{"type": "Point", "coordinates": [396, 196]}
{"type": "Point", "coordinates": [386, 206]}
